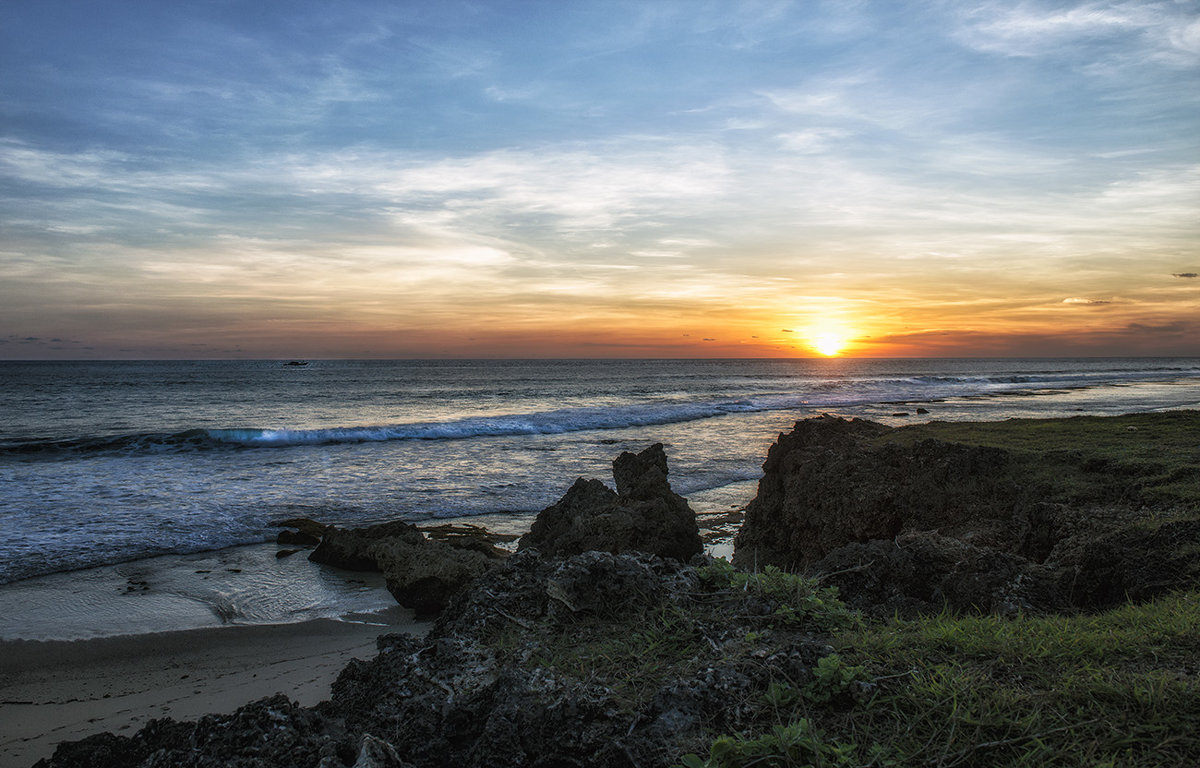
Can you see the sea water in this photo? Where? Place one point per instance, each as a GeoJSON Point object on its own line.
{"type": "Point", "coordinates": [114, 464]}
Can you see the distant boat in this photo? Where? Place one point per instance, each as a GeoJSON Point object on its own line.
{"type": "Point", "coordinates": [296, 362]}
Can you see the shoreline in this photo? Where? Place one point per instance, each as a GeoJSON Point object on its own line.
{"type": "Point", "coordinates": [1140, 464]}
{"type": "Point", "coordinates": [64, 690]}
{"type": "Point", "coordinates": [57, 690]}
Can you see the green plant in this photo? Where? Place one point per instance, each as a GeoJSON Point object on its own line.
{"type": "Point", "coordinates": [798, 744]}
{"type": "Point", "coordinates": [832, 678]}
{"type": "Point", "coordinates": [800, 600]}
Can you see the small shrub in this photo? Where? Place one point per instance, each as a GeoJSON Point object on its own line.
{"type": "Point", "coordinates": [833, 677]}
{"type": "Point", "coordinates": [800, 600]}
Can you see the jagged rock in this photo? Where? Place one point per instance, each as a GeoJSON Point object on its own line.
{"type": "Point", "coordinates": [352, 548]}
{"type": "Point", "coordinates": [922, 571]}
{"type": "Point", "coordinates": [424, 575]}
{"type": "Point", "coordinates": [267, 733]}
{"type": "Point", "coordinates": [649, 658]}
{"type": "Point", "coordinates": [644, 515]}
{"type": "Point", "coordinates": [504, 678]}
{"type": "Point", "coordinates": [469, 536]}
{"type": "Point", "coordinates": [642, 475]}
{"type": "Point", "coordinates": [914, 525]}
{"type": "Point", "coordinates": [377, 753]}
{"type": "Point", "coordinates": [826, 485]}
{"type": "Point", "coordinates": [1138, 563]}
{"type": "Point", "coordinates": [308, 532]}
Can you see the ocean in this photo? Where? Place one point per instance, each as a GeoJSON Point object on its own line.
{"type": "Point", "coordinates": [175, 470]}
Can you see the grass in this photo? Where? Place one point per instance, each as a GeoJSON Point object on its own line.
{"type": "Point", "coordinates": [1119, 688]}
{"type": "Point", "coordinates": [1148, 458]}
{"type": "Point", "coordinates": [1116, 688]}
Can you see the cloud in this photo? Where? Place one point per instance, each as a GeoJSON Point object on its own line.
{"type": "Point", "coordinates": [1160, 31]}
{"type": "Point", "coordinates": [1188, 275]}
{"type": "Point", "coordinates": [1173, 327]}
{"type": "Point", "coordinates": [1089, 302]}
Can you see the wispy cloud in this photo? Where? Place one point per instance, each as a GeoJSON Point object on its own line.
{"type": "Point", "coordinates": [1163, 31]}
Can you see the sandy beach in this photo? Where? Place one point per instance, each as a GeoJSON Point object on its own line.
{"type": "Point", "coordinates": [52, 691]}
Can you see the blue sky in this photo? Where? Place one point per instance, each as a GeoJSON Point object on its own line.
{"type": "Point", "coordinates": [279, 179]}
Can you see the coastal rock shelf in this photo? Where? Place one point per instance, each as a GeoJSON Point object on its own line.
{"type": "Point", "coordinates": [597, 659]}
{"type": "Point", "coordinates": [1019, 515]}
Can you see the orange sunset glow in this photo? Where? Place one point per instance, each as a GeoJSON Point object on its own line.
{"type": "Point", "coordinates": [682, 181]}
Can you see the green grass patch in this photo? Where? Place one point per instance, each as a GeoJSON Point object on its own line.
{"type": "Point", "coordinates": [1148, 458]}
{"type": "Point", "coordinates": [1119, 688]}
{"type": "Point", "coordinates": [799, 600]}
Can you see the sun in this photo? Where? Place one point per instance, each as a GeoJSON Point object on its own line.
{"type": "Point", "coordinates": [828, 344]}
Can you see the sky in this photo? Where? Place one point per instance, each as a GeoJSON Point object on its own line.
{"type": "Point", "coordinates": [658, 179]}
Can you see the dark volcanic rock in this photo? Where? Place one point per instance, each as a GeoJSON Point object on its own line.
{"type": "Point", "coordinates": [826, 485]}
{"type": "Point", "coordinates": [594, 660]}
{"type": "Point", "coordinates": [352, 548]}
{"type": "Point", "coordinates": [644, 515]}
{"type": "Point", "coordinates": [308, 532]}
{"type": "Point", "coordinates": [507, 677]}
{"type": "Point", "coordinates": [1136, 563]}
{"type": "Point", "coordinates": [265, 734]}
{"type": "Point", "coordinates": [424, 575]}
{"type": "Point", "coordinates": [927, 524]}
{"type": "Point", "coordinates": [922, 571]}
{"type": "Point", "coordinates": [421, 573]}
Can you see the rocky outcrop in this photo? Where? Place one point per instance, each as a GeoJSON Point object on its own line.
{"type": "Point", "coordinates": [424, 575]}
{"type": "Point", "coordinates": [268, 732]}
{"type": "Point", "coordinates": [644, 515]}
{"type": "Point", "coordinates": [354, 548]}
{"type": "Point", "coordinates": [308, 532]}
{"type": "Point", "coordinates": [421, 573]}
{"type": "Point", "coordinates": [921, 571]}
{"type": "Point", "coordinates": [826, 484]}
{"type": "Point", "coordinates": [594, 660]}
{"type": "Point", "coordinates": [567, 662]}
{"type": "Point", "coordinates": [919, 524]}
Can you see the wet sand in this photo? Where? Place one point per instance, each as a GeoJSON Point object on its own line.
{"type": "Point", "coordinates": [52, 691]}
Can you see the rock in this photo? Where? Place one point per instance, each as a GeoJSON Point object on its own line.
{"type": "Point", "coordinates": [377, 753]}
{"type": "Point", "coordinates": [644, 515]}
{"type": "Point", "coordinates": [922, 411]}
{"type": "Point", "coordinates": [646, 663]}
{"type": "Point", "coordinates": [1137, 562]}
{"type": "Point", "coordinates": [468, 536]}
{"type": "Point", "coordinates": [923, 572]}
{"type": "Point", "coordinates": [925, 524]}
{"type": "Point", "coordinates": [827, 484]}
{"type": "Point", "coordinates": [269, 732]}
{"type": "Point", "coordinates": [308, 532]}
{"type": "Point", "coordinates": [351, 548]}
{"type": "Point", "coordinates": [516, 670]}
{"type": "Point", "coordinates": [424, 575]}
{"type": "Point", "coordinates": [642, 475]}
{"type": "Point", "coordinates": [285, 553]}
{"type": "Point", "coordinates": [421, 573]}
